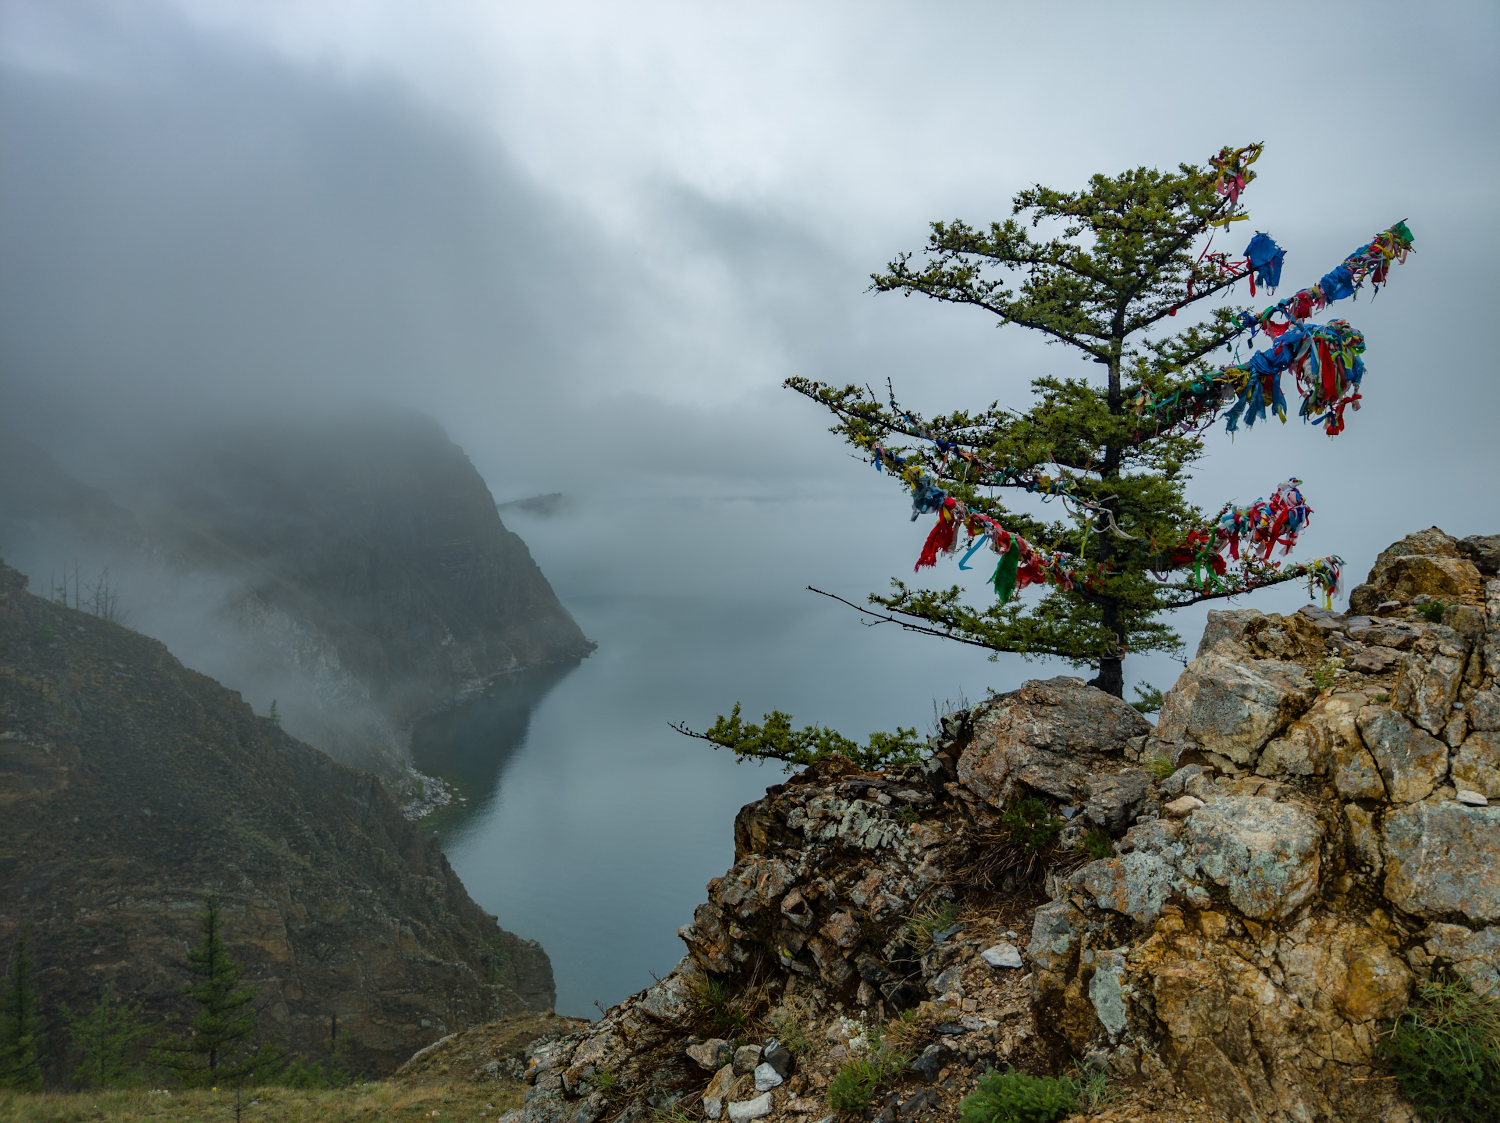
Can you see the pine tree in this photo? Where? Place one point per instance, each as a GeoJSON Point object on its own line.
{"type": "Point", "coordinates": [1114, 454]}
{"type": "Point", "coordinates": [21, 1037]}
{"type": "Point", "coordinates": [219, 1049]}
{"type": "Point", "coordinates": [106, 1039]}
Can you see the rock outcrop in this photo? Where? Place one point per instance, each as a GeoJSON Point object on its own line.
{"type": "Point", "coordinates": [130, 786]}
{"type": "Point", "coordinates": [1285, 853]}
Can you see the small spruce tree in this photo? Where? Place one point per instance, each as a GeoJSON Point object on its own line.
{"type": "Point", "coordinates": [107, 1040]}
{"type": "Point", "coordinates": [21, 1037]}
{"type": "Point", "coordinates": [220, 1048]}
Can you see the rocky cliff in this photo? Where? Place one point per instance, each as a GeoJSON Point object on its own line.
{"type": "Point", "coordinates": [1236, 903]}
{"type": "Point", "coordinates": [130, 785]}
{"type": "Point", "coordinates": [351, 566]}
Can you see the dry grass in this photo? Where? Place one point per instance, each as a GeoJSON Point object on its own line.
{"type": "Point", "coordinates": [449, 1101]}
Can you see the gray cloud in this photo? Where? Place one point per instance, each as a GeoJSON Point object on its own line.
{"type": "Point", "coordinates": [594, 248]}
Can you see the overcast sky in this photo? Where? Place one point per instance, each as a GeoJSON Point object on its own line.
{"type": "Point", "coordinates": [593, 239]}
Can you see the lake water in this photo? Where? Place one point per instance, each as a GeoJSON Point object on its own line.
{"type": "Point", "coordinates": [591, 826]}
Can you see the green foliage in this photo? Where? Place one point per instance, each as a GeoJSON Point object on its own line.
{"type": "Point", "coordinates": [933, 920]}
{"type": "Point", "coordinates": [853, 1089]}
{"type": "Point", "coordinates": [219, 1050]}
{"type": "Point", "coordinates": [1445, 1053]}
{"type": "Point", "coordinates": [1161, 767]}
{"type": "Point", "coordinates": [275, 714]}
{"type": "Point", "coordinates": [299, 1072]}
{"type": "Point", "coordinates": [21, 1036]}
{"type": "Point", "coordinates": [1432, 611]}
{"type": "Point", "coordinates": [777, 740]}
{"type": "Point", "coordinates": [1097, 844]}
{"type": "Point", "coordinates": [1125, 255]}
{"type": "Point", "coordinates": [908, 816]}
{"type": "Point", "coordinates": [789, 1031]}
{"type": "Point", "coordinates": [1382, 698]}
{"type": "Point", "coordinates": [721, 1010]}
{"type": "Point", "coordinates": [496, 955]}
{"type": "Point", "coordinates": [1093, 1086]}
{"type": "Point", "coordinates": [1015, 1097]}
{"type": "Point", "coordinates": [1148, 699]}
{"type": "Point", "coordinates": [1029, 824]}
{"type": "Point", "coordinates": [106, 1038]}
{"type": "Point", "coordinates": [1326, 673]}
{"type": "Point", "coordinates": [603, 1081]}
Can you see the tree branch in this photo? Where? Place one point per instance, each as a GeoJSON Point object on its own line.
{"type": "Point", "coordinates": [879, 619]}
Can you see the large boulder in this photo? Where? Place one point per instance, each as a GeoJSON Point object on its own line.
{"type": "Point", "coordinates": [1045, 737]}
{"type": "Point", "coordinates": [1226, 626]}
{"type": "Point", "coordinates": [1476, 764]}
{"type": "Point", "coordinates": [1232, 706]}
{"type": "Point", "coordinates": [1483, 550]}
{"type": "Point", "coordinates": [1474, 955]}
{"type": "Point", "coordinates": [1325, 741]}
{"type": "Point", "coordinates": [1428, 562]}
{"type": "Point", "coordinates": [1429, 681]}
{"type": "Point", "coordinates": [1411, 761]}
{"type": "Point", "coordinates": [1441, 860]}
{"type": "Point", "coordinates": [1265, 853]}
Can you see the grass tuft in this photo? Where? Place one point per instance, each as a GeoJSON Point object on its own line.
{"type": "Point", "coordinates": [725, 1015]}
{"type": "Point", "coordinates": [1161, 767]}
{"type": "Point", "coordinates": [1015, 1097]}
{"type": "Point", "coordinates": [925, 924]}
{"type": "Point", "coordinates": [1445, 1053]}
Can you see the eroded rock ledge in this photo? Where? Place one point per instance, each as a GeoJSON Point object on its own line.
{"type": "Point", "coordinates": [1324, 838]}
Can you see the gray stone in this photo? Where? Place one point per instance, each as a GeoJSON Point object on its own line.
{"type": "Point", "coordinates": [1265, 853]}
{"type": "Point", "coordinates": [746, 1057]}
{"type": "Point", "coordinates": [745, 1110]}
{"type": "Point", "coordinates": [1474, 955]}
{"type": "Point", "coordinates": [1055, 932]}
{"type": "Point", "coordinates": [1105, 992]}
{"type": "Point", "coordinates": [1465, 619]}
{"type": "Point", "coordinates": [1441, 858]}
{"type": "Point", "coordinates": [1373, 660]}
{"type": "Point", "coordinates": [1043, 737]}
{"type": "Point", "coordinates": [1476, 765]}
{"type": "Point", "coordinates": [1002, 955]}
{"type": "Point", "coordinates": [778, 1056]}
{"type": "Point", "coordinates": [1428, 687]}
{"type": "Point", "coordinates": [1390, 636]}
{"type": "Point", "coordinates": [1231, 706]}
{"type": "Point", "coordinates": [1177, 783]}
{"type": "Point", "coordinates": [1483, 550]}
{"type": "Point", "coordinates": [923, 1101]}
{"type": "Point", "coordinates": [1115, 800]}
{"type": "Point", "coordinates": [1472, 798]}
{"type": "Point", "coordinates": [1153, 836]}
{"type": "Point", "coordinates": [1226, 627]}
{"type": "Point", "coordinates": [711, 1055]}
{"type": "Point", "coordinates": [1137, 884]}
{"type": "Point", "coordinates": [1411, 762]}
{"type": "Point", "coordinates": [1484, 710]}
{"type": "Point", "coordinates": [766, 1077]}
{"type": "Point", "coordinates": [930, 1063]}
{"type": "Point", "coordinates": [950, 980]}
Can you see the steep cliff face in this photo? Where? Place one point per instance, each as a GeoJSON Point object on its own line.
{"type": "Point", "coordinates": [352, 566]}
{"type": "Point", "coordinates": [130, 785]}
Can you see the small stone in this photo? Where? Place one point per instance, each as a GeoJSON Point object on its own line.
{"type": "Point", "coordinates": [1183, 806]}
{"type": "Point", "coordinates": [1473, 799]}
{"type": "Point", "coordinates": [1002, 955]}
{"type": "Point", "coordinates": [800, 1106]}
{"type": "Point", "coordinates": [718, 1091]}
{"type": "Point", "coordinates": [925, 1100]}
{"type": "Point", "coordinates": [712, 1055]}
{"type": "Point", "coordinates": [930, 1063]}
{"type": "Point", "coordinates": [766, 1077]}
{"type": "Point", "coordinates": [947, 933]}
{"type": "Point", "coordinates": [746, 1057]}
{"type": "Point", "coordinates": [745, 1110]}
{"type": "Point", "coordinates": [778, 1056]}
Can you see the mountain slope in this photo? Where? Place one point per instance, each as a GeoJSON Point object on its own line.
{"type": "Point", "coordinates": [130, 785]}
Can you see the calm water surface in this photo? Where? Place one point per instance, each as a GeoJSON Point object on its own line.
{"type": "Point", "coordinates": [591, 826]}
